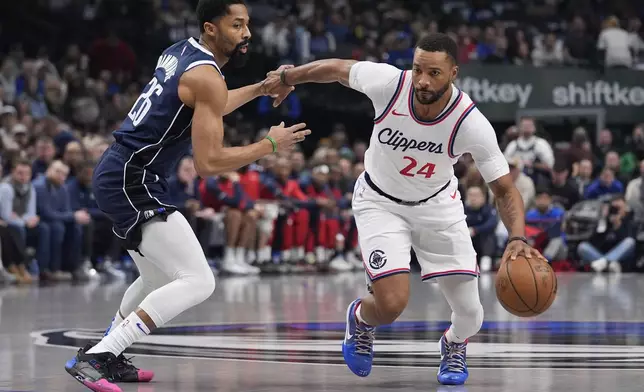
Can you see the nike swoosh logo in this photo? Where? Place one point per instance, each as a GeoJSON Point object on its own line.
{"type": "Point", "coordinates": [453, 195]}
{"type": "Point", "coordinates": [141, 328]}
{"type": "Point", "coordinates": [395, 113]}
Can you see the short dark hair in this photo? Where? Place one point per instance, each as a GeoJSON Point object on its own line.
{"type": "Point", "coordinates": [543, 190]}
{"type": "Point", "coordinates": [560, 167]}
{"type": "Point", "coordinates": [208, 10]}
{"type": "Point", "coordinates": [439, 42]}
{"type": "Point", "coordinates": [21, 162]}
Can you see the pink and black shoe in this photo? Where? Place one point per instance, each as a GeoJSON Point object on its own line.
{"type": "Point", "coordinates": [122, 370]}
{"type": "Point", "coordinates": [92, 370]}
{"type": "Point", "coordinates": [125, 371]}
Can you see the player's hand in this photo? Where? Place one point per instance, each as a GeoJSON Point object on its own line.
{"type": "Point", "coordinates": [286, 137]}
{"type": "Point", "coordinates": [517, 248]}
{"type": "Point", "coordinates": [273, 86]}
{"type": "Point", "coordinates": [82, 217]}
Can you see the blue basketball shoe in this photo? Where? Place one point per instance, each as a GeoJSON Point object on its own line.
{"type": "Point", "coordinates": [357, 347]}
{"type": "Point", "coordinates": [453, 368]}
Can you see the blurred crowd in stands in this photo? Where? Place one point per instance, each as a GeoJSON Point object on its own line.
{"type": "Point", "coordinates": [71, 69]}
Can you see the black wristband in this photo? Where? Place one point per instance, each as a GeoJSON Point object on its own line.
{"type": "Point", "coordinates": [517, 239]}
{"type": "Point", "coordinates": [283, 78]}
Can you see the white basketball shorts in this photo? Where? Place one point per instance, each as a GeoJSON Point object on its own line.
{"type": "Point", "coordinates": [436, 230]}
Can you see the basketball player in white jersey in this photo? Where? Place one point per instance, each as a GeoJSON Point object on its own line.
{"type": "Point", "coordinates": [408, 195]}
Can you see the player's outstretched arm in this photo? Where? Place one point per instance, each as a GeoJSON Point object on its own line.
{"type": "Point", "coordinates": [320, 71]}
{"type": "Point", "coordinates": [203, 89]}
{"type": "Point", "coordinates": [241, 96]}
{"type": "Point", "coordinates": [376, 80]}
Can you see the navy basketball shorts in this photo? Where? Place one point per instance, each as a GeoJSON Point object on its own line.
{"type": "Point", "coordinates": [128, 193]}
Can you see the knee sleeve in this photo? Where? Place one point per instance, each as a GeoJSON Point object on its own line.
{"type": "Point", "coordinates": [172, 248]}
{"type": "Point", "coordinates": [462, 294]}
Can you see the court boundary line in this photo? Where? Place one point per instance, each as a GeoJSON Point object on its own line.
{"type": "Point", "coordinates": [40, 340]}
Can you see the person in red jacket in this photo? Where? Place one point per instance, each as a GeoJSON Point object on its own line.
{"type": "Point", "coordinates": [325, 220]}
{"type": "Point", "coordinates": [292, 230]}
{"type": "Point", "coordinates": [225, 194]}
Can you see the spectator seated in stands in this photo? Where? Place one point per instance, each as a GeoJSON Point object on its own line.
{"type": "Point", "coordinates": [251, 180]}
{"type": "Point", "coordinates": [98, 239]}
{"type": "Point", "coordinates": [481, 220]}
{"type": "Point", "coordinates": [45, 153]}
{"type": "Point", "coordinates": [184, 193]}
{"type": "Point", "coordinates": [564, 190]}
{"type": "Point", "coordinates": [606, 184]}
{"type": "Point", "coordinates": [325, 221]}
{"type": "Point", "coordinates": [544, 222]}
{"type": "Point", "coordinates": [342, 182]}
{"type": "Point", "coordinates": [612, 161]}
{"type": "Point", "coordinates": [292, 226]}
{"type": "Point", "coordinates": [225, 194]}
{"type": "Point", "coordinates": [583, 175]}
{"type": "Point", "coordinates": [535, 153]}
{"type": "Point", "coordinates": [613, 245]}
{"type": "Point", "coordinates": [73, 156]}
{"type": "Point", "coordinates": [634, 195]}
{"type": "Point", "coordinates": [61, 224]}
{"type": "Point", "coordinates": [19, 221]}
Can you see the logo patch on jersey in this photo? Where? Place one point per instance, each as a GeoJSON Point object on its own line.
{"type": "Point", "coordinates": [168, 63]}
{"type": "Point", "coordinates": [397, 140]}
{"type": "Point", "coordinates": [377, 259]}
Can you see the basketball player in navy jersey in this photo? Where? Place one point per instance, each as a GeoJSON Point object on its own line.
{"type": "Point", "coordinates": [182, 105]}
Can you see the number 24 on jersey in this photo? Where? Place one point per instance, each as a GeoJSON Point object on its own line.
{"type": "Point", "coordinates": [426, 170]}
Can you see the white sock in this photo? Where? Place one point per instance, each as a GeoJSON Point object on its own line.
{"type": "Point", "coordinates": [265, 254]}
{"type": "Point", "coordinates": [451, 336]}
{"type": "Point", "coordinates": [252, 256]}
{"type": "Point", "coordinates": [240, 255]}
{"type": "Point", "coordinates": [229, 253]}
{"type": "Point", "coordinates": [122, 337]}
{"type": "Point", "coordinates": [359, 315]}
{"type": "Point", "coordinates": [116, 321]}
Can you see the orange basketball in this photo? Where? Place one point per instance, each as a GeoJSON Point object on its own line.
{"type": "Point", "coordinates": [526, 287]}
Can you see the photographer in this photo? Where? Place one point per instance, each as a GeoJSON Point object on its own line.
{"type": "Point", "coordinates": [613, 244]}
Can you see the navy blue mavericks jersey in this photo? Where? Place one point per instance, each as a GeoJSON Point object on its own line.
{"type": "Point", "coordinates": [157, 128]}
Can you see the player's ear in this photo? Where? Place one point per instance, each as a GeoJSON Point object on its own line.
{"type": "Point", "coordinates": [210, 28]}
{"type": "Point", "coordinates": [454, 72]}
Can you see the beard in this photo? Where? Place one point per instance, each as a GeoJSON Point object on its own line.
{"type": "Point", "coordinates": [428, 97]}
{"type": "Point", "coordinates": [237, 58]}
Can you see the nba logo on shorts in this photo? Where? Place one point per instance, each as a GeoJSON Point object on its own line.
{"type": "Point", "coordinates": [377, 259]}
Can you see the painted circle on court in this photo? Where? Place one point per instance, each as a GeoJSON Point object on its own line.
{"type": "Point", "coordinates": [531, 344]}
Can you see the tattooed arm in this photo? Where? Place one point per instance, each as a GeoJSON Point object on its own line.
{"type": "Point", "coordinates": [509, 205]}
{"type": "Point", "coordinates": [477, 137]}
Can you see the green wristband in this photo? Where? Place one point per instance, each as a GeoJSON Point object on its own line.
{"type": "Point", "coordinates": [273, 142]}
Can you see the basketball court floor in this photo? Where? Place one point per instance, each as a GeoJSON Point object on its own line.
{"type": "Point", "coordinates": [283, 334]}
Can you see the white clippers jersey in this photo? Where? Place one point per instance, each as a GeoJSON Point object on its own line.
{"type": "Point", "coordinates": [412, 159]}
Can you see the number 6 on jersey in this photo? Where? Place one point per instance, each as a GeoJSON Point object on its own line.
{"type": "Point", "coordinates": [427, 169]}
